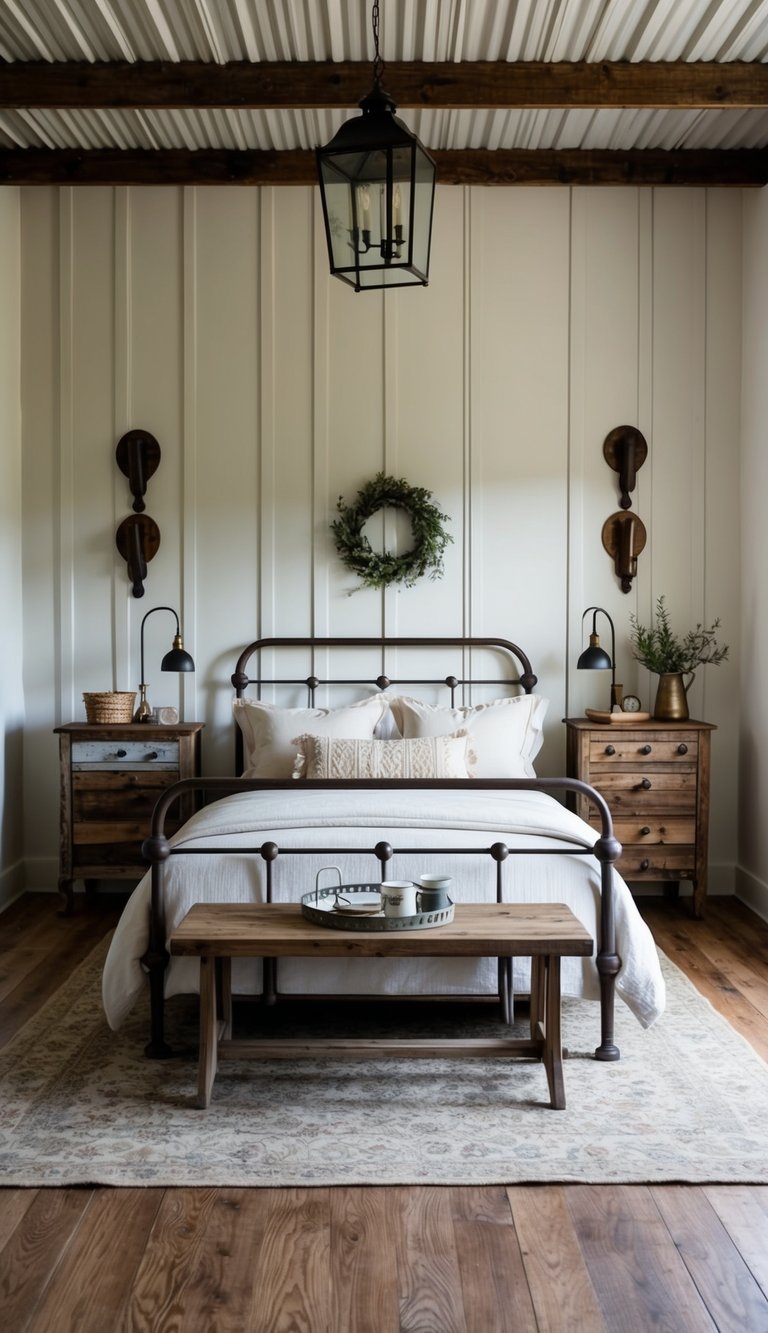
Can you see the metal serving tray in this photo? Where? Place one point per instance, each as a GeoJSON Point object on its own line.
{"type": "Point", "coordinates": [322, 906]}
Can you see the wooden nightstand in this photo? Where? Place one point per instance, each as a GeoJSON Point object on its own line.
{"type": "Point", "coordinates": [655, 778]}
{"type": "Point", "coordinates": [110, 778]}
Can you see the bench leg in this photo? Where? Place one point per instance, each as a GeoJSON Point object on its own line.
{"type": "Point", "coordinates": [208, 1032]}
{"type": "Point", "coordinates": [224, 993]}
{"type": "Point", "coordinates": [552, 1054]}
{"type": "Point", "coordinates": [536, 1014]}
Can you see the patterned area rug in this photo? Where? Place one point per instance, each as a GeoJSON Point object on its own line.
{"type": "Point", "coordinates": [688, 1101]}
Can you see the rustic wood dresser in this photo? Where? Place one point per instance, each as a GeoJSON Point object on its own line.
{"type": "Point", "coordinates": [109, 780]}
{"type": "Point", "coordinates": [655, 777]}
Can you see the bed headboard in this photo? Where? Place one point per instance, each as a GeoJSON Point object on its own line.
{"type": "Point", "coordinates": [515, 662]}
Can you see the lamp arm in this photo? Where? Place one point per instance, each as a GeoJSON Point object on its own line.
{"type": "Point", "coordinates": [149, 613]}
{"type": "Point", "coordinates": [603, 612]}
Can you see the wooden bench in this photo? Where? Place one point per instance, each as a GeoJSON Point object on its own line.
{"type": "Point", "coordinates": [219, 932]}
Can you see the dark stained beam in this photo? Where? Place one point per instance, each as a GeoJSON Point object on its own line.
{"type": "Point", "coordinates": [411, 84]}
{"type": "Point", "coordinates": [741, 167]}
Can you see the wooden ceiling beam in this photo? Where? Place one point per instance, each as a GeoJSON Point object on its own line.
{"type": "Point", "coordinates": [741, 167]}
{"type": "Point", "coordinates": [122, 84]}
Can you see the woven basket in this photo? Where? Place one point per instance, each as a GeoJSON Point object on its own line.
{"type": "Point", "coordinates": [110, 706]}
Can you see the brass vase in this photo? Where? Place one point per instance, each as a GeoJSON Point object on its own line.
{"type": "Point", "coordinates": [672, 696]}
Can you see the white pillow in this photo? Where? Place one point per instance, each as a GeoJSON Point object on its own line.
{"type": "Point", "coordinates": [268, 731]}
{"type": "Point", "coordinates": [506, 733]}
{"type": "Point", "coordinates": [426, 757]}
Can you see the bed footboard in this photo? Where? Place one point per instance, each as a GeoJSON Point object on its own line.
{"type": "Point", "coordinates": [157, 850]}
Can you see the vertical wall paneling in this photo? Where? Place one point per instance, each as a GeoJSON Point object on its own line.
{"type": "Point", "coordinates": [227, 413]}
{"type": "Point", "coordinates": [266, 597]}
{"type": "Point", "coordinates": [644, 583]}
{"type": "Point", "coordinates": [356, 438]}
{"type": "Point", "coordinates": [604, 373]}
{"type": "Point", "coordinates": [577, 691]}
{"type": "Point", "coordinates": [124, 678]}
{"type": "Point", "coordinates": [292, 368]}
{"type": "Point", "coordinates": [425, 417]}
{"type": "Point", "coordinates": [323, 554]}
{"type": "Point", "coordinates": [189, 536]}
{"type": "Point", "coordinates": [90, 388]}
{"type": "Point", "coordinates": [209, 318]}
{"type": "Point", "coordinates": [157, 356]}
{"type": "Point", "coordinates": [65, 610]}
{"type": "Point", "coordinates": [722, 522]}
{"type": "Point", "coordinates": [40, 424]}
{"type": "Point", "coordinates": [678, 405]}
{"type": "Point", "coordinates": [11, 673]}
{"type": "Point", "coordinates": [520, 449]}
{"type": "Point", "coordinates": [749, 684]}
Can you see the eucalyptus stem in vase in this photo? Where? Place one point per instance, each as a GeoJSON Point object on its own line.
{"type": "Point", "coordinates": [673, 656]}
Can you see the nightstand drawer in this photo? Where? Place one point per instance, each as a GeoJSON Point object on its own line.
{"type": "Point", "coordinates": [655, 831]}
{"type": "Point", "coordinates": [113, 754]}
{"type": "Point", "coordinates": [652, 747]}
{"type": "Point", "coordinates": [657, 863]}
{"type": "Point", "coordinates": [105, 796]}
{"type": "Point", "coordinates": [625, 792]}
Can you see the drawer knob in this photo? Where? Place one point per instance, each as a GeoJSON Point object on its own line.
{"type": "Point", "coordinates": [646, 784]}
{"type": "Point", "coordinates": [152, 755]}
{"type": "Point", "coordinates": [120, 754]}
{"type": "Point", "coordinates": [644, 864]}
{"type": "Point", "coordinates": [682, 748]}
{"type": "Point", "coordinates": [610, 749]}
{"type": "Point", "coordinates": [645, 830]}
{"type": "Point", "coordinates": [646, 749]}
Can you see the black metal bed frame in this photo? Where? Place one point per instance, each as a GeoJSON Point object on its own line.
{"type": "Point", "coordinates": [157, 849]}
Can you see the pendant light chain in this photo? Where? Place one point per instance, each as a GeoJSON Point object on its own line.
{"type": "Point", "coordinates": [378, 63]}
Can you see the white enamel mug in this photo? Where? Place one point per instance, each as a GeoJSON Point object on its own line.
{"type": "Point", "coordinates": [398, 897]}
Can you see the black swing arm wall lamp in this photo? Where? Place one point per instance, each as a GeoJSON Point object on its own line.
{"type": "Point", "coordinates": [377, 186]}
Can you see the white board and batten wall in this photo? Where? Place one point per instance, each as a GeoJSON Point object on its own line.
{"type": "Point", "coordinates": [207, 317]}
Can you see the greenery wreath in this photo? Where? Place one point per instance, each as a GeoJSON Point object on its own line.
{"type": "Point", "coordinates": [429, 536]}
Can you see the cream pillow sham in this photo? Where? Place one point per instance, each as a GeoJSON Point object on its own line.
{"type": "Point", "coordinates": [269, 731]}
{"type": "Point", "coordinates": [506, 733]}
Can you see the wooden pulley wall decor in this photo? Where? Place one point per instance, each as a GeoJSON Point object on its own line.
{"type": "Point", "coordinates": [137, 540]}
{"type": "Point", "coordinates": [625, 450]}
{"type": "Point", "coordinates": [624, 537]}
{"type": "Point", "coordinates": [138, 455]}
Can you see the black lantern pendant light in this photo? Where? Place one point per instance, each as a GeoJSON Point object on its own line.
{"type": "Point", "coordinates": [377, 184]}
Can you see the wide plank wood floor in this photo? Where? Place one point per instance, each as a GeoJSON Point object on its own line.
{"type": "Point", "coordinates": [370, 1260]}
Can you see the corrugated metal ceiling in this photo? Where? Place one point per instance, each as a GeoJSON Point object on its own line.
{"type": "Point", "coordinates": [433, 30]}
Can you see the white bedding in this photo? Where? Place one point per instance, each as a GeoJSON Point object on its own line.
{"type": "Point", "coordinates": [324, 819]}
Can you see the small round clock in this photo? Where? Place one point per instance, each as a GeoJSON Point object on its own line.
{"type": "Point", "coordinates": [630, 704]}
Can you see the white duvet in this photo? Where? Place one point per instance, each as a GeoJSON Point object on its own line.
{"type": "Point", "coordinates": [324, 819]}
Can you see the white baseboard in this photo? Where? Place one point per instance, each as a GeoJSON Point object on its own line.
{"type": "Point", "coordinates": [752, 891]}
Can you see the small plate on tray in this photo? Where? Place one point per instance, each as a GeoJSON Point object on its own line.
{"type": "Point", "coordinates": [363, 907]}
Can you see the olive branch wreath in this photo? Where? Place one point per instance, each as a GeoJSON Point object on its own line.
{"type": "Point", "coordinates": [379, 570]}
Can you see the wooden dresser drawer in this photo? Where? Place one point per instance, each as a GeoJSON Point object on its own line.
{"type": "Point", "coordinates": [651, 748]}
{"type": "Point", "coordinates": [96, 755]}
{"type": "Point", "coordinates": [628, 793]}
{"type": "Point", "coordinates": [655, 832]}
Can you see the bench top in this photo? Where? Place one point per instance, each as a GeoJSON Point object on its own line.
{"type": "Point", "coordinates": [478, 930]}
